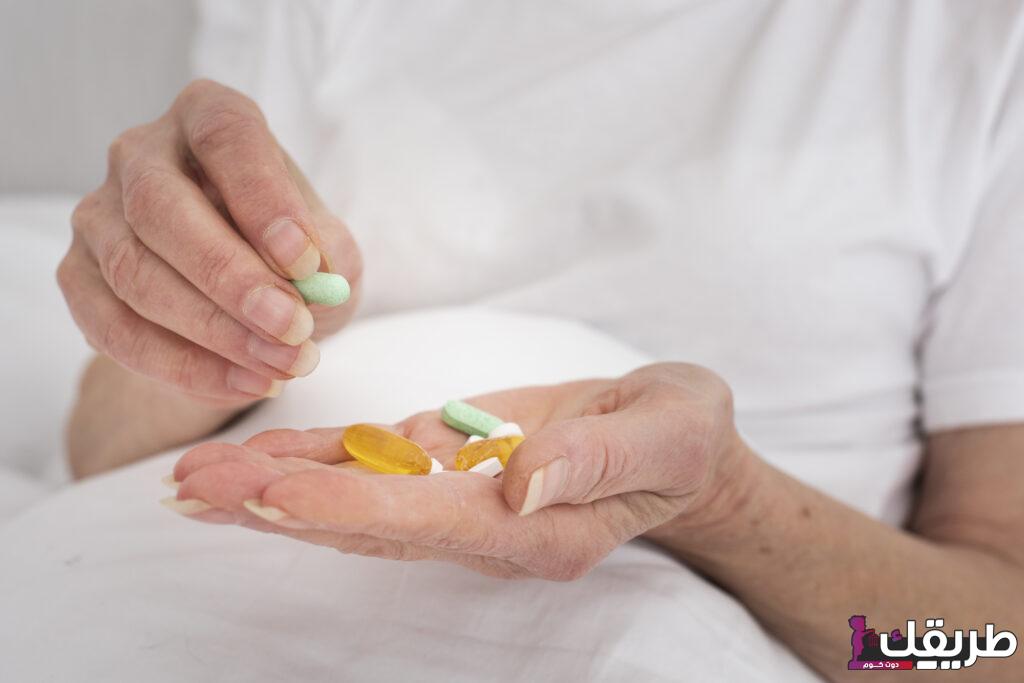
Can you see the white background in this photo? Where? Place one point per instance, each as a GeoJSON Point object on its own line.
{"type": "Point", "coordinates": [74, 73]}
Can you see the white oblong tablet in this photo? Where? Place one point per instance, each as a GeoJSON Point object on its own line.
{"type": "Point", "coordinates": [505, 429]}
{"type": "Point", "coordinates": [473, 438]}
{"type": "Point", "coordinates": [490, 467]}
{"type": "Point", "coordinates": [435, 466]}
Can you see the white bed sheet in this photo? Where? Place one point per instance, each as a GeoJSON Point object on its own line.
{"type": "Point", "coordinates": [100, 582]}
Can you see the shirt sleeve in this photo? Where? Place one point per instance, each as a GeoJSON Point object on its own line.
{"type": "Point", "coordinates": [972, 355]}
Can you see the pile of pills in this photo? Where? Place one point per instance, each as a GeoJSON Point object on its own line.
{"type": "Point", "coordinates": [488, 448]}
{"type": "Point", "coordinates": [491, 441]}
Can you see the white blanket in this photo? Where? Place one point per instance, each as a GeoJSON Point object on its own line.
{"type": "Point", "coordinates": [102, 583]}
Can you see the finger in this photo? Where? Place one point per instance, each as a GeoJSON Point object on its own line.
{"type": "Point", "coordinates": [319, 445]}
{"type": "Point", "coordinates": [219, 478]}
{"type": "Point", "coordinates": [596, 456]}
{"type": "Point", "coordinates": [111, 327]}
{"type": "Point", "coordinates": [212, 453]}
{"type": "Point", "coordinates": [229, 478]}
{"type": "Point", "coordinates": [341, 255]}
{"type": "Point", "coordinates": [170, 215]}
{"type": "Point", "coordinates": [228, 484]}
{"type": "Point", "coordinates": [229, 137]}
{"type": "Point", "coordinates": [160, 294]}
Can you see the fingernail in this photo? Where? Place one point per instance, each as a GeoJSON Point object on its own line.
{"type": "Point", "coordinates": [274, 515]}
{"type": "Point", "coordinates": [279, 314]}
{"type": "Point", "coordinates": [291, 249]}
{"type": "Point", "coordinates": [267, 512]}
{"type": "Point", "coordinates": [170, 482]}
{"type": "Point", "coordinates": [491, 467]}
{"type": "Point", "coordinates": [546, 484]}
{"type": "Point", "coordinates": [189, 506]}
{"type": "Point", "coordinates": [249, 382]}
{"type": "Point", "coordinates": [297, 362]}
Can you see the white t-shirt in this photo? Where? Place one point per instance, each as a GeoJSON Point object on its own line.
{"type": "Point", "coordinates": [823, 202]}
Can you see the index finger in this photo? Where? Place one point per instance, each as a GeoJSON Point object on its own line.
{"type": "Point", "coordinates": [228, 136]}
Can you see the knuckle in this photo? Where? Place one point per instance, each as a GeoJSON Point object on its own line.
{"type": "Point", "coordinates": [614, 465]}
{"type": "Point", "coordinates": [143, 191]}
{"type": "Point", "coordinates": [338, 240]}
{"type": "Point", "coordinates": [224, 125]}
{"type": "Point", "coordinates": [214, 266]}
{"type": "Point", "coordinates": [200, 89]}
{"type": "Point", "coordinates": [121, 341]}
{"type": "Point", "coordinates": [187, 370]}
{"type": "Point", "coordinates": [84, 212]}
{"type": "Point", "coordinates": [723, 396]}
{"type": "Point", "coordinates": [115, 154]}
{"type": "Point", "coordinates": [698, 438]}
{"type": "Point", "coordinates": [122, 266]}
{"type": "Point", "coordinates": [210, 320]}
{"type": "Point", "coordinates": [656, 387]}
{"type": "Point", "coordinates": [606, 402]}
{"type": "Point", "coordinates": [123, 147]}
{"type": "Point", "coordinates": [608, 461]}
{"type": "Point", "coordinates": [65, 275]}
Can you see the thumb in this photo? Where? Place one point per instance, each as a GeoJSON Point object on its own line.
{"type": "Point", "coordinates": [592, 457]}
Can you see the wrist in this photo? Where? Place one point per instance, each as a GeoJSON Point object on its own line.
{"type": "Point", "coordinates": [121, 417]}
{"type": "Point", "coordinates": [726, 506]}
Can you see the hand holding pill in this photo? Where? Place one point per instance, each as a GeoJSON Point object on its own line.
{"type": "Point", "coordinates": [206, 261]}
{"type": "Point", "coordinates": [602, 462]}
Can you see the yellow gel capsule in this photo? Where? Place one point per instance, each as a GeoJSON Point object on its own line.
{"type": "Point", "coordinates": [385, 451]}
{"type": "Point", "coordinates": [474, 453]}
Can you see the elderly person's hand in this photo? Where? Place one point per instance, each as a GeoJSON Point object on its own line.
{"type": "Point", "coordinates": [604, 461]}
{"type": "Point", "coordinates": [180, 264]}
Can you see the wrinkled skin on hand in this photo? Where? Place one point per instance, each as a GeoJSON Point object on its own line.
{"type": "Point", "coordinates": [636, 452]}
{"type": "Point", "coordinates": [180, 263]}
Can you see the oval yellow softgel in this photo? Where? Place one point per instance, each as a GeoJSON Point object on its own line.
{"type": "Point", "coordinates": [385, 451]}
{"type": "Point", "coordinates": [474, 453]}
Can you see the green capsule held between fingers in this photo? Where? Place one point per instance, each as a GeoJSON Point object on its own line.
{"type": "Point", "coordinates": [329, 289]}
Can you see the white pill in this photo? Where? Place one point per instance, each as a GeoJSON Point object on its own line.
{"type": "Point", "coordinates": [435, 466]}
{"type": "Point", "coordinates": [505, 429]}
{"type": "Point", "coordinates": [490, 467]}
{"type": "Point", "coordinates": [473, 438]}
